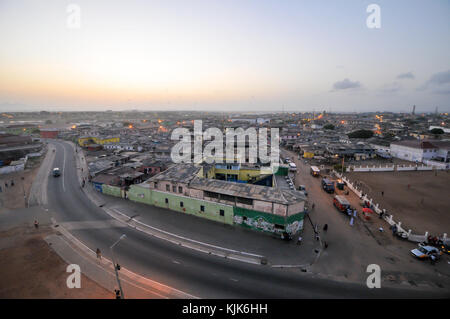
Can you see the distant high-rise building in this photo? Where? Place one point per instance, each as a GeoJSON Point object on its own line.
{"type": "Point", "coordinates": [414, 110]}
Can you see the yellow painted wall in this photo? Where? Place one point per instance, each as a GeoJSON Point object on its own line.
{"type": "Point", "coordinates": [308, 155]}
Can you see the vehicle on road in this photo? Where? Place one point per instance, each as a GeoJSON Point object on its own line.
{"type": "Point", "coordinates": [56, 172]}
{"type": "Point", "coordinates": [315, 171]}
{"type": "Point", "coordinates": [328, 185]}
{"type": "Point", "coordinates": [341, 203]}
{"type": "Point", "coordinates": [292, 167]}
{"type": "Point", "coordinates": [425, 252]}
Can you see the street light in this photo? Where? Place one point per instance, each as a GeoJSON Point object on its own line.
{"type": "Point", "coordinates": [115, 265]}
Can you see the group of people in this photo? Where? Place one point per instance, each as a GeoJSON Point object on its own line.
{"type": "Point", "coordinates": [6, 185]}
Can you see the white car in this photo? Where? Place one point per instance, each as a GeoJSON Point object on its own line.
{"type": "Point", "coordinates": [424, 252]}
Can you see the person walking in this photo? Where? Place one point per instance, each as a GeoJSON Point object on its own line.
{"type": "Point", "coordinates": [312, 206]}
{"type": "Point", "coordinates": [36, 224]}
{"type": "Point", "coordinates": [6, 184]}
{"type": "Point", "coordinates": [299, 240]}
{"type": "Point", "coordinates": [382, 193]}
{"type": "Point", "coordinates": [99, 253]}
{"type": "Point", "coordinates": [325, 227]}
{"type": "Point", "coordinates": [12, 183]}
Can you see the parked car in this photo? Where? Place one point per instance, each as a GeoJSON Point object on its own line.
{"type": "Point", "coordinates": [424, 252]}
{"type": "Point", "coordinates": [56, 172]}
{"type": "Point", "coordinates": [445, 248]}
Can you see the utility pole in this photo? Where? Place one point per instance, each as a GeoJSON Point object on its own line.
{"type": "Point", "coordinates": [116, 265]}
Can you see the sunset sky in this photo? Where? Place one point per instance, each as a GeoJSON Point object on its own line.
{"type": "Point", "coordinates": [246, 55]}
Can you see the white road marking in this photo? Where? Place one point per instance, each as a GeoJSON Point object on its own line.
{"type": "Point", "coordinates": [64, 168]}
{"type": "Point", "coordinates": [235, 280]}
{"type": "Point", "coordinates": [188, 239]}
{"type": "Point", "coordinates": [176, 262]}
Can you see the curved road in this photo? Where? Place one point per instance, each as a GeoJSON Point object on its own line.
{"type": "Point", "coordinates": [187, 270]}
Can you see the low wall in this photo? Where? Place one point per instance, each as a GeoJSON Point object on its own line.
{"type": "Point", "coordinates": [399, 168]}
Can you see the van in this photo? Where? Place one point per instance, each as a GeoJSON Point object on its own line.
{"type": "Point", "coordinates": [315, 171]}
{"type": "Point", "coordinates": [341, 203]}
{"type": "Point", "coordinates": [328, 185]}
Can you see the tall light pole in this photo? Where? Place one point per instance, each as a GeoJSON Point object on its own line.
{"type": "Point", "coordinates": [115, 265]}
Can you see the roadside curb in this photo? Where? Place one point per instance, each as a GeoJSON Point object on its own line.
{"type": "Point", "coordinates": [186, 242]}
{"type": "Point", "coordinates": [127, 276]}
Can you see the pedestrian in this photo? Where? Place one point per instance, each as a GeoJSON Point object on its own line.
{"type": "Point", "coordinates": [36, 224]}
{"type": "Point", "coordinates": [312, 207]}
{"type": "Point", "coordinates": [299, 240]}
{"type": "Point", "coordinates": [382, 193]}
{"type": "Point", "coordinates": [325, 227]}
{"type": "Point", "coordinates": [99, 253]}
{"type": "Point", "coordinates": [12, 183]}
{"type": "Point", "coordinates": [394, 229]}
{"type": "Point", "coordinates": [433, 259]}
{"type": "Point", "coordinates": [325, 244]}
{"type": "Point", "coordinates": [6, 184]}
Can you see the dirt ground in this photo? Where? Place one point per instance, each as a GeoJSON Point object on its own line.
{"type": "Point", "coordinates": [13, 196]}
{"type": "Point", "coordinates": [31, 269]}
{"type": "Point", "coordinates": [423, 206]}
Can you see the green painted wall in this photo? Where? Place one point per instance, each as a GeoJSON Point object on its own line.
{"type": "Point", "coordinates": [232, 215]}
{"type": "Point", "coordinates": [112, 190]}
{"type": "Point", "coordinates": [139, 194]}
{"type": "Point", "coordinates": [192, 206]}
{"type": "Point", "coordinates": [266, 222]}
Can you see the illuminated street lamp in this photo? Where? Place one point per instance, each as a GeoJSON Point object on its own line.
{"type": "Point", "coordinates": [116, 265]}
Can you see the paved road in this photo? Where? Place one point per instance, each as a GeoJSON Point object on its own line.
{"type": "Point", "coordinates": [187, 270]}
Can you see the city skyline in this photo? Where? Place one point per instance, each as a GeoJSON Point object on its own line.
{"type": "Point", "coordinates": [229, 56]}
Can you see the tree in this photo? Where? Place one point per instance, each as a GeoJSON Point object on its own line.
{"type": "Point", "coordinates": [361, 134]}
{"type": "Point", "coordinates": [329, 126]}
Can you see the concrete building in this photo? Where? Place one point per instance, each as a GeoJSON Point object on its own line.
{"type": "Point", "coordinates": [194, 190]}
{"type": "Point", "coordinates": [413, 150]}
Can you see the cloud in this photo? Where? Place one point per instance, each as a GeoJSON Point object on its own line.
{"type": "Point", "coordinates": [346, 84]}
{"type": "Point", "coordinates": [407, 75]}
{"type": "Point", "coordinates": [437, 80]}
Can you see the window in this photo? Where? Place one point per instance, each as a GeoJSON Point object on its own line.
{"type": "Point", "coordinates": [222, 212]}
{"type": "Point", "coordinates": [167, 201]}
{"type": "Point", "coordinates": [174, 189]}
{"type": "Point", "coordinates": [202, 208]}
{"type": "Point", "coordinates": [168, 187]}
{"type": "Point", "coordinates": [180, 189]}
{"type": "Point", "coordinates": [181, 204]}
{"type": "Point", "coordinates": [246, 201]}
